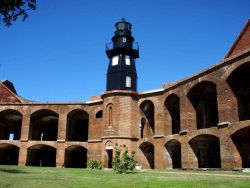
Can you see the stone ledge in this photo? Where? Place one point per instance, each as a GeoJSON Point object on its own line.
{"type": "Point", "coordinates": [223, 124]}
{"type": "Point", "coordinates": [183, 132]}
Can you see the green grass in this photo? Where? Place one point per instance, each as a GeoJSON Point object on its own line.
{"type": "Point", "coordinates": [35, 177]}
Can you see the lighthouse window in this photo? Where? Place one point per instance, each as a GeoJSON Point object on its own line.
{"type": "Point", "coordinates": [127, 59]}
{"type": "Point", "coordinates": [124, 39]}
{"type": "Point", "coordinates": [115, 60]}
{"type": "Point", "coordinates": [128, 81]}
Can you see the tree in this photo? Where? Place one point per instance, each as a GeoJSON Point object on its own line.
{"type": "Point", "coordinates": [126, 162]}
{"type": "Point", "coordinates": [10, 10]}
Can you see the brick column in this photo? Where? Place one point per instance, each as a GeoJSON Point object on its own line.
{"type": "Point", "coordinates": [161, 127]}
{"type": "Point", "coordinates": [188, 158]}
{"type": "Point", "coordinates": [60, 155]}
{"type": "Point", "coordinates": [160, 159]}
{"type": "Point", "coordinates": [230, 158]}
{"type": "Point", "coordinates": [227, 103]}
{"type": "Point", "coordinates": [22, 154]}
{"type": "Point", "coordinates": [25, 127]}
{"type": "Point", "coordinates": [62, 123]}
{"type": "Point", "coordinates": [187, 114]}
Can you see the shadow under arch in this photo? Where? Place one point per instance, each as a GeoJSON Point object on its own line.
{"type": "Point", "coordinates": [10, 124]}
{"type": "Point", "coordinates": [147, 118]}
{"type": "Point", "coordinates": [241, 139]}
{"type": "Point", "coordinates": [147, 149]}
{"type": "Point", "coordinates": [173, 148]}
{"type": "Point", "coordinates": [43, 125]}
{"type": "Point", "coordinates": [238, 81]}
{"type": "Point", "coordinates": [203, 97]}
{"type": "Point", "coordinates": [172, 104]}
{"type": "Point", "coordinates": [77, 125]}
{"type": "Point", "coordinates": [207, 150]}
{"type": "Point", "coordinates": [41, 155]}
{"type": "Point", "coordinates": [75, 157]}
{"type": "Point", "coordinates": [9, 154]}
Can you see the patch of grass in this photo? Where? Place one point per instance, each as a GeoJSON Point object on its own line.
{"type": "Point", "coordinates": [37, 177]}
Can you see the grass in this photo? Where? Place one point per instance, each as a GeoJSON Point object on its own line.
{"type": "Point", "coordinates": [36, 177]}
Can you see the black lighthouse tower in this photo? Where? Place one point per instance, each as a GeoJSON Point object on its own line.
{"type": "Point", "coordinates": [121, 73]}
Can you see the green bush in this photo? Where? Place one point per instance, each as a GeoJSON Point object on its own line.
{"type": "Point", "coordinates": [127, 162]}
{"type": "Point", "coordinates": [94, 164]}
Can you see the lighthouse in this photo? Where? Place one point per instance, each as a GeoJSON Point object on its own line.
{"type": "Point", "coordinates": [122, 53]}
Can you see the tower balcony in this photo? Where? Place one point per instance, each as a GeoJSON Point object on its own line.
{"type": "Point", "coordinates": [112, 51]}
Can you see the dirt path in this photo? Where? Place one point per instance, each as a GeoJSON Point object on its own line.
{"type": "Point", "coordinates": [200, 174]}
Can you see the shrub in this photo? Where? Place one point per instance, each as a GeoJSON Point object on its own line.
{"type": "Point", "coordinates": [127, 162]}
{"type": "Point", "coordinates": [94, 164]}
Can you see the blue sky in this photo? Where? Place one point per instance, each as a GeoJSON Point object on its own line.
{"type": "Point", "coordinates": [58, 53]}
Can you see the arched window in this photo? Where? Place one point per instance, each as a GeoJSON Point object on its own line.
{"type": "Point", "coordinates": [99, 114]}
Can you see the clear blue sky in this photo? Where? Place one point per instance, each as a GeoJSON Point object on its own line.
{"type": "Point", "coordinates": [58, 53]}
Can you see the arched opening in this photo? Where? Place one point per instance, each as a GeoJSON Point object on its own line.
{"type": "Point", "coordinates": [172, 103]}
{"type": "Point", "coordinates": [9, 154]}
{"type": "Point", "coordinates": [203, 97]}
{"type": "Point", "coordinates": [75, 157]}
{"type": "Point", "coordinates": [148, 151]}
{"type": "Point", "coordinates": [207, 151]}
{"type": "Point", "coordinates": [10, 125]}
{"type": "Point", "coordinates": [174, 150]}
{"type": "Point", "coordinates": [43, 125]}
{"type": "Point", "coordinates": [239, 81]}
{"type": "Point", "coordinates": [77, 126]}
{"type": "Point", "coordinates": [241, 139]}
{"type": "Point", "coordinates": [147, 111]}
{"type": "Point", "coordinates": [41, 155]}
{"type": "Point", "coordinates": [99, 114]}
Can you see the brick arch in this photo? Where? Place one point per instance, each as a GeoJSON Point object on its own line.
{"type": "Point", "coordinates": [238, 81]}
{"type": "Point", "coordinates": [75, 156]}
{"type": "Point", "coordinates": [172, 105]}
{"type": "Point", "coordinates": [231, 68]}
{"type": "Point", "coordinates": [41, 155]}
{"type": "Point", "coordinates": [10, 124]}
{"type": "Point", "coordinates": [206, 148]}
{"type": "Point", "coordinates": [35, 110]}
{"type": "Point", "coordinates": [241, 140]}
{"type": "Point", "coordinates": [9, 154]}
{"type": "Point", "coordinates": [203, 97]}
{"type": "Point", "coordinates": [173, 148]}
{"type": "Point", "coordinates": [43, 125]}
{"type": "Point", "coordinates": [77, 125]}
{"type": "Point", "coordinates": [147, 155]}
{"type": "Point", "coordinates": [147, 115]}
